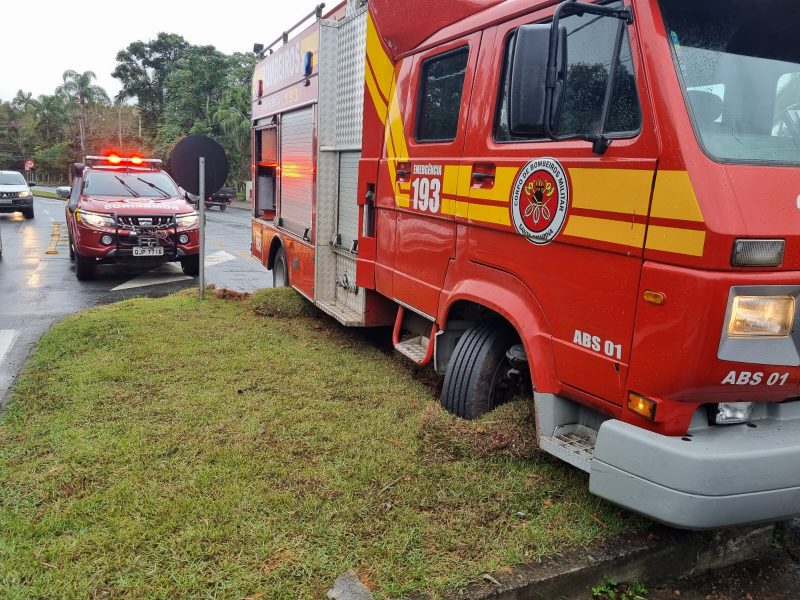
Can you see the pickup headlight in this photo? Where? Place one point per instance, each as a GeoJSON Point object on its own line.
{"type": "Point", "coordinates": [188, 220]}
{"type": "Point", "coordinates": [761, 316]}
{"type": "Point", "coordinates": [94, 219]}
{"type": "Point", "coordinates": [25, 194]}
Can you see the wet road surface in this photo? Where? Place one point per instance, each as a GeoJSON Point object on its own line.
{"type": "Point", "coordinates": [38, 285]}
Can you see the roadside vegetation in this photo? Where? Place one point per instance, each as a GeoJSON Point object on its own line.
{"type": "Point", "coordinates": [251, 448]}
{"type": "Point", "coordinates": [163, 99]}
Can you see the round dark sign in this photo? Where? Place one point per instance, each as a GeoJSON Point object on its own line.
{"type": "Point", "coordinates": [185, 164]}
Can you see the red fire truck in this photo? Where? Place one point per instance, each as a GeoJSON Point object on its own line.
{"type": "Point", "coordinates": [597, 202]}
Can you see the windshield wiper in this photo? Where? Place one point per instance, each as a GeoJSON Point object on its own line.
{"type": "Point", "coordinates": [133, 192]}
{"type": "Point", "coordinates": [155, 187]}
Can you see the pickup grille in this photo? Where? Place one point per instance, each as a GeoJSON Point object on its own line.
{"type": "Point", "coordinates": [9, 194]}
{"type": "Point", "coordinates": [139, 222]}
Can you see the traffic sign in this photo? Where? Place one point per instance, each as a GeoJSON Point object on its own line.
{"type": "Point", "coordinates": [29, 164]}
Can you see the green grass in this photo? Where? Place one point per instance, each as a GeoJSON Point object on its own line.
{"type": "Point", "coordinates": [177, 449]}
{"type": "Point", "coordinates": [45, 194]}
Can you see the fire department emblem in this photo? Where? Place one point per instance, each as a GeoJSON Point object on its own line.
{"type": "Point", "coordinates": [540, 200]}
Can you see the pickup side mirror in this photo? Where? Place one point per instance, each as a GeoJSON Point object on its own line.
{"type": "Point", "coordinates": [63, 192]}
{"type": "Point", "coordinates": [31, 183]}
{"type": "Point", "coordinates": [528, 91]}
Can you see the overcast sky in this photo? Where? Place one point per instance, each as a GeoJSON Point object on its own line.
{"type": "Point", "coordinates": [43, 38]}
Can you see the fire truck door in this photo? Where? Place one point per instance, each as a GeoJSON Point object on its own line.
{"type": "Point", "coordinates": [434, 132]}
{"type": "Point", "coordinates": [568, 222]}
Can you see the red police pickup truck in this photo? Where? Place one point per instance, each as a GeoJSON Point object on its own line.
{"type": "Point", "coordinates": [127, 210]}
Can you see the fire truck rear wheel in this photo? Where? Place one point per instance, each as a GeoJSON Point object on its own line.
{"type": "Point", "coordinates": [191, 265]}
{"type": "Point", "coordinates": [477, 381]}
{"type": "Point", "coordinates": [280, 272]}
{"type": "Point", "coordinates": [85, 267]}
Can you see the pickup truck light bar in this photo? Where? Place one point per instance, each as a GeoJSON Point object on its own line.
{"type": "Point", "coordinates": [115, 159]}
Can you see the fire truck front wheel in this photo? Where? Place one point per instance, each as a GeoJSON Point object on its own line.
{"type": "Point", "coordinates": [479, 377]}
{"type": "Point", "coordinates": [280, 273]}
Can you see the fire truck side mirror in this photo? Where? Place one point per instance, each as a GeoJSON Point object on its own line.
{"type": "Point", "coordinates": [528, 90]}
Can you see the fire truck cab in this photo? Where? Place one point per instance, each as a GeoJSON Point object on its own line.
{"type": "Point", "coordinates": [597, 202]}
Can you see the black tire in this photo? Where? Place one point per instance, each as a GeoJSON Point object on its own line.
{"type": "Point", "coordinates": [209, 205]}
{"type": "Point", "coordinates": [85, 267]}
{"type": "Point", "coordinates": [476, 379]}
{"type": "Point", "coordinates": [280, 271]}
{"type": "Point", "coordinates": [28, 212]}
{"type": "Point", "coordinates": [191, 265]}
{"type": "Point", "coordinates": [223, 206]}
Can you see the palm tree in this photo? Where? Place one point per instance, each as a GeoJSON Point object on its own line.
{"type": "Point", "coordinates": [79, 88]}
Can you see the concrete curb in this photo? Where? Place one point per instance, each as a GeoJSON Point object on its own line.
{"type": "Point", "coordinates": [659, 556]}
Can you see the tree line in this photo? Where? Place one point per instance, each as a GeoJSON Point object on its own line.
{"type": "Point", "coordinates": [170, 89]}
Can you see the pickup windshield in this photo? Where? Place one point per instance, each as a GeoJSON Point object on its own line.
{"type": "Point", "coordinates": [129, 184]}
{"type": "Point", "coordinates": [739, 64]}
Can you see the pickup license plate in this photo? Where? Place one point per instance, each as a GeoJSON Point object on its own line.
{"type": "Point", "coordinates": [5, 200]}
{"type": "Point", "coordinates": [157, 251]}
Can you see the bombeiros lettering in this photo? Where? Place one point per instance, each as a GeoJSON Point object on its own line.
{"type": "Point", "coordinates": [540, 200]}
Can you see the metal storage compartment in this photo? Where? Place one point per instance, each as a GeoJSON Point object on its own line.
{"type": "Point", "coordinates": [297, 170]}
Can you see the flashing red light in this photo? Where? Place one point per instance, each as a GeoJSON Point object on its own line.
{"type": "Point", "coordinates": [136, 160]}
{"type": "Point", "coordinates": [114, 159]}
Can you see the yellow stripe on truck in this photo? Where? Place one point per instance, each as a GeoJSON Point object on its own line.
{"type": "Point", "coordinates": [675, 240]}
{"type": "Point", "coordinates": [612, 190]}
{"type": "Point", "coordinates": [606, 230]}
{"type": "Point", "coordinates": [381, 64]}
{"type": "Point", "coordinates": [377, 100]}
{"type": "Point", "coordinates": [673, 198]}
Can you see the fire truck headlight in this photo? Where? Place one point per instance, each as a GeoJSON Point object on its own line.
{"type": "Point", "coordinates": [761, 316]}
{"type": "Point", "coordinates": [94, 219]}
{"type": "Point", "coordinates": [729, 413]}
{"type": "Point", "coordinates": [188, 220]}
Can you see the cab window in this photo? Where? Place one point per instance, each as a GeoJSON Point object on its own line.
{"type": "Point", "coordinates": [591, 48]}
{"type": "Point", "coordinates": [442, 83]}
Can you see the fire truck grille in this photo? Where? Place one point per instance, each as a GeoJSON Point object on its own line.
{"type": "Point", "coordinates": [154, 222]}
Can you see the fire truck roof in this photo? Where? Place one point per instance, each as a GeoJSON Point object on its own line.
{"type": "Point", "coordinates": [399, 37]}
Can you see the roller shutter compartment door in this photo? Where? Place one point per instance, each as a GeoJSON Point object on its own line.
{"type": "Point", "coordinates": [297, 170]}
{"type": "Point", "coordinates": [347, 226]}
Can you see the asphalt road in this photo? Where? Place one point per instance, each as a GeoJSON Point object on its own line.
{"type": "Point", "coordinates": [38, 285]}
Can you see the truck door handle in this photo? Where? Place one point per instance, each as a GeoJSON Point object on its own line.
{"type": "Point", "coordinates": [403, 171]}
{"type": "Point", "coordinates": [483, 175]}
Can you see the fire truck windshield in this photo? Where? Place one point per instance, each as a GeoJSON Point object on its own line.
{"type": "Point", "coordinates": [739, 63]}
{"type": "Point", "coordinates": [129, 184]}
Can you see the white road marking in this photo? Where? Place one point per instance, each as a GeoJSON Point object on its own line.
{"type": "Point", "coordinates": [35, 278]}
{"type": "Point", "coordinates": [166, 273]}
{"type": "Point", "coordinates": [217, 258]}
{"type": "Point", "coordinates": [7, 337]}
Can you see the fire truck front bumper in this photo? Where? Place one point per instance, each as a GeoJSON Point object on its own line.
{"type": "Point", "coordinates": [715, 476]}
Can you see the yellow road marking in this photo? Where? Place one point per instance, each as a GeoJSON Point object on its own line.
{"type": "Point", "coordinates": [55, 235]}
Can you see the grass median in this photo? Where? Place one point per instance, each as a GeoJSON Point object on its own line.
{"type": "Point", "coordinates": [250, 448]}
